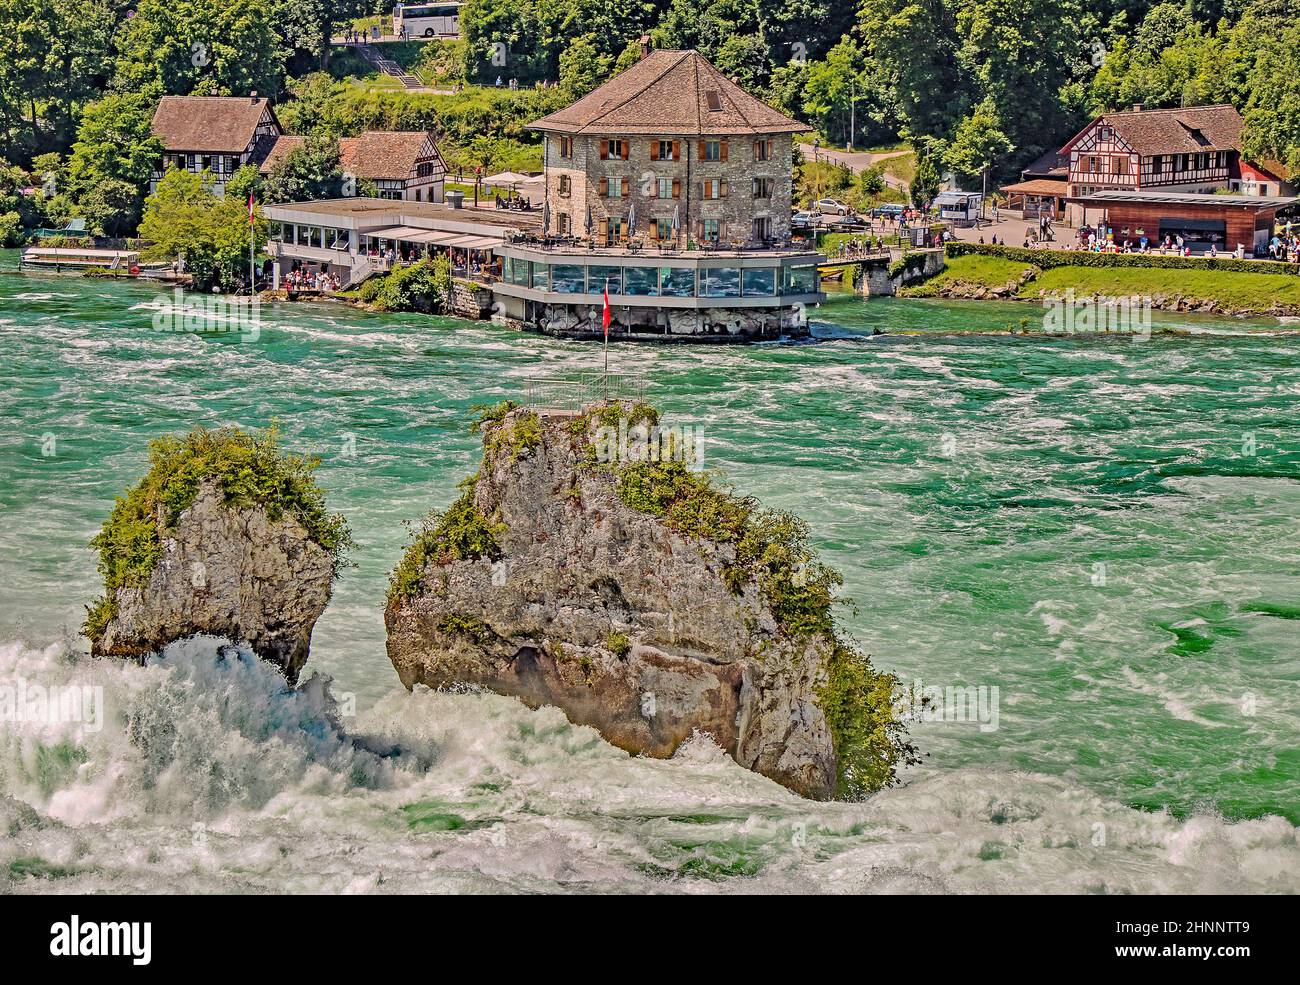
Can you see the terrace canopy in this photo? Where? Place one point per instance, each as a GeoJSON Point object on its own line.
{"type": "Point", "coordinates": [506, 179]}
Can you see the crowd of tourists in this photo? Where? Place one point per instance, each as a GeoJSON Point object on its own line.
{"type": "Point", "coordinates": [306, 280]}
{"type": "Point", "coordinates": [1285, 242]}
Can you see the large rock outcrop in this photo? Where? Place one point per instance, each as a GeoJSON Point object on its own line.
{"type": "Point", "coordinates": [235, 558]}
{"type": "Point", "coordinates": [544, 583]}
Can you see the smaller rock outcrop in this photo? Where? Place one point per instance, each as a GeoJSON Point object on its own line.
{"type": "Point", "coordinates": [225, 536]}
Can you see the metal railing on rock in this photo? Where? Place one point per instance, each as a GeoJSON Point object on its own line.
{"type": "Point", "coordinates": [576, 394]}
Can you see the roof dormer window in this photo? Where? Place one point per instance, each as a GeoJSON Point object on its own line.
{"type": "Point", "coordinates": [713, 99]}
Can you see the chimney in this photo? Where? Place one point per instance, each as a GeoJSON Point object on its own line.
{"type": "Point", "coordinates": [252, 96]}
{"type": "Point", "coordinates": [645, 46]}
{"type": "Point", "coordinates": [1137, 107]}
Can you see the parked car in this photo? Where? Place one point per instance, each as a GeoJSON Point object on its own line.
{"type": "Point", "coordinates": [829, 206]}
{"type": "Point", "coordinates": [889, 210]}
{"type": "Point", "coordinates": [804, 220]}
{"type": "Point", "coordinates": [846, 224]}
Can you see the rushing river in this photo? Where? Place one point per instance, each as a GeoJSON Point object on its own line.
{"type": "Point", "coordinates": [1104, 531]}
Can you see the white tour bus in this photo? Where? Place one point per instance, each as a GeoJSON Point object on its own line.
{"type": "Point", "coordinates": [427, 20]}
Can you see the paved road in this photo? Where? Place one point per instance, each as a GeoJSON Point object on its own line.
{"type": "Point", "coordinates": [858, 161]}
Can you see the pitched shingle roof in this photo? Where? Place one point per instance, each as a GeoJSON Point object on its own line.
{"type": "Point", "coordinates": [383, 153]}
{"type": "Point", "coordinates": [208, 124]}
{"type": "Point", "coordinates": [280, 148]}
{"type": "Point", "coordinates": [670, 93]}
{"type": "Point", "coordinates": [1176, 131]}
{"type": "Point", "coordinates": [373, 154]}
{"type": "Point", "coordinates": [1052, 164]}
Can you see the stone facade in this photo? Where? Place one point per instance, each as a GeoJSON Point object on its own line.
{"type": "Point", "coordinates": [748, 179]}
{"type": "Point", "coordinates": [720, 324]}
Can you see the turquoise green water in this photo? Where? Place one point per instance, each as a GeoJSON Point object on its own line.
{"type": "Point", "coordinates": [1103, 530]}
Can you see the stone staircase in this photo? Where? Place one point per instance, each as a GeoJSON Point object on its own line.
{"type": "Point", "coordinates": [389, 67]}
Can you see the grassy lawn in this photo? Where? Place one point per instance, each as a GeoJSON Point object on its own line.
{"type": "Point", "coordinates": [1229, 289]}
{"type": "Point", "coordinates": [972, 271]}
{"type": "Point", "coordinates": [902, 167]}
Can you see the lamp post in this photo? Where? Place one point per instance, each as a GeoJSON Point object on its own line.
{"type": "Point", "coordinates": [817, 180]}
{"type": "Point", "coordinates": [853, 94]}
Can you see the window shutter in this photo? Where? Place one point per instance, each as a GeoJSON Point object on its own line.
{"type": "Point", "coordinates": [771, 148]}
{"type": "Point", "coordinates": [604, 150]}
{"type": "Point", "coordinates": [654, 150]}
{"type": "Point", "coordinates": [723, 153]}
{"type": "Point", "coordinates": [654, 230]}
{"type": "Point", "coordinates": [626, 148]}
{"type": "Point", "coordinates": [677, 150]}
{"type": "Point", "coordinates": [604, 187]}
{"type": "Point", "coordinates": [625, 187]}
{"type": "Point", "coordinates": [702, 144]}
{"type": "Point", "coordinates": [677, 188]}
{"type": "Point", "coordinates": [758, 150]}
{"type": "Point", "coordinates": [722, 189]}
{"type": "Point", "coordinates": [604, 228]}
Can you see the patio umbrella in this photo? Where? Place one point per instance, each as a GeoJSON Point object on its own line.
{"type": "Point", "coordinates": [588, 220]}
{"type": "Point", "coordinates": [631, 219]}
{"type": "Point", "coordinates": [676, 218]}
{"type": "Point", "coordinates": [506, 179]}
{"type": "Point", "coordinates": [546, 218]}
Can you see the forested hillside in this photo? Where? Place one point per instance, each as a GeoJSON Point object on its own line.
{"type": "Point", "coordinates": [969, 84]}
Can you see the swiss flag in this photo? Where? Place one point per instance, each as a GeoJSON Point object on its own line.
{"type": "Point", "coordinates": [605, 315]}
{"type": "Point", "coordinates": [250, 208]}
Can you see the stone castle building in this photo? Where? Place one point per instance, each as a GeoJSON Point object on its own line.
{"type": "Point", "coordinates": [670, 151]}
{"type": "Point", "coordinates": [668, 189]}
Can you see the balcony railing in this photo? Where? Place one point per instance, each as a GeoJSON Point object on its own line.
{"type": "Point", "coordinates": [577, 394]}
{"type": "Point", "coordinates": [644, 245]}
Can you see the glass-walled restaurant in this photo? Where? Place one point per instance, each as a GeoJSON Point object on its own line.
{"type": "Point", "coordinates": [316, 237]}
{"type": "Point", "coordinates": [649, 280]}
{"type": "Point", "coordinates": [471, 255]}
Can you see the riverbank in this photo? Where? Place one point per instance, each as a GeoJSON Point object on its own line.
{"type": "Point", "coordinates": [1213, 290]}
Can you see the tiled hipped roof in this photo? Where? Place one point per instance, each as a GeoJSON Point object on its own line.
{"type": "Point", "coordinates": [1178, 131]}
{"type": "Point", "coordinates": [373, 154]}
{"type": "Point", "coordinates": [674, 93]}
{"type": "Point", "coordinates": [208, 124]}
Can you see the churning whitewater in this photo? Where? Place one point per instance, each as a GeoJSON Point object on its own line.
{"type": "Point", "coordinates": [1093, 539]}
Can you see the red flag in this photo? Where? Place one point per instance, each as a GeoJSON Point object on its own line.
{"type": "Point", "coordinates": [605, 316]}
{"type": "Point", "coordinates": [250, 208]}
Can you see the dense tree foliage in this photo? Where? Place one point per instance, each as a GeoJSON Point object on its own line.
{"type": "Point", "coordinates": [310, 171]}
{"type": "Point", "coordinates": [977, 87]}
{"type": "Point", "coordinates": [184, 218]}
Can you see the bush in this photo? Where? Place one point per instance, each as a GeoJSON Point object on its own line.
{"type": "Point", "coordinates": [869, 737]}
{"type": "Point", "coordinates": [1046, 259]}
{"type": "Point", "coordinates": [11, 229]}
{"type": "Point", "coordinates": [424, 287]}
{"type": "Point", "coordinates": [459, 533]}
{"type": "Point", "coordinates": [249, 471]}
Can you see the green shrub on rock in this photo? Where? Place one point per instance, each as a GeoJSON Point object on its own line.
{"type": "Point", "coordinates": [458, 533]}
{"type": "Point", "coordinates": [772, 549]}
{"type": "Point", "coordinates": [248, 469]}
